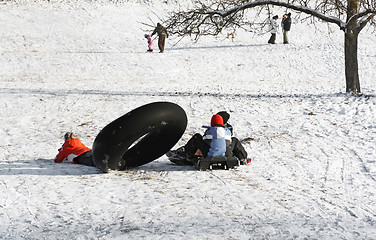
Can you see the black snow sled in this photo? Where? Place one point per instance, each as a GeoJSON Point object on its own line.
{"type": "Point", "coordinates": [201, 163]}
{"type": "Point", "coordinates": [211, 163]}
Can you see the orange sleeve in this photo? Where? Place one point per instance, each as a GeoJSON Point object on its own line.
{"type": "Point", "coordinates": [60, 156]}
{"type": "Point", "coordinates": [64, 151]}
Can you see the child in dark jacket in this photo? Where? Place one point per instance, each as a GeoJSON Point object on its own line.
{"type": "Point", "coordinates": [236, 146]}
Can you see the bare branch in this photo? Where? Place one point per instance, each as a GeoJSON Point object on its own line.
{"type": "Point", "coordinates": [229, 14]}
{"type": "Point", "coordinates": [298, 8]}
{"type": "Point", "coordinates": [364, 22]}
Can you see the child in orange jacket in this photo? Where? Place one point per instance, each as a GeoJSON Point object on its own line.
{"type": "Point", "coordinates": [75, 151]}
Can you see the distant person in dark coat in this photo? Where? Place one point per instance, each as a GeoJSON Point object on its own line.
{"type": "Point", "coordinates": [286, 26]}
{"type": "Point", "coordinates": [162, 34]}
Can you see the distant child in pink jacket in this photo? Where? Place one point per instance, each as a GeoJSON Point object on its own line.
{"type": "Point", "coordinates": [150, 42]}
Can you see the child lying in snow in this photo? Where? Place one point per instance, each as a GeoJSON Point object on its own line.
{"type": "Point", "coordinates": [75, 151]}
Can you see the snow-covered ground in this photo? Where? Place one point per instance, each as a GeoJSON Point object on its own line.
{"type": "Point", "coordinates": [78, 65]}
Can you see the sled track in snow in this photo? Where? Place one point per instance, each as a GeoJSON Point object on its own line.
{"type": "Point", "coordinates": [62, 92]}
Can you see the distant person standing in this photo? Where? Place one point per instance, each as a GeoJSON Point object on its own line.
{"type": "Point", "coordinates": [162, 34]}
{"type": "Point", "coordinates": [273, 28]}
{"type": "Point", "coordinates": [286, 26]}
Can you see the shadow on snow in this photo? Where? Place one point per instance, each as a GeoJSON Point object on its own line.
{"type": "Point", "coordinates": [47, 167]}
{"type": "Point", "coordinates": [171, 94]}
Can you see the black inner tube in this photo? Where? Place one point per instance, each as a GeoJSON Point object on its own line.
{"type": "Point", "coordinates": [139, 137]}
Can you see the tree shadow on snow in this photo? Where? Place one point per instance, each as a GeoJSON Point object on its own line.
{"type": "Point", "coordinates": [216, 47]}
{"type": "Point", "coordinates": [62, 92]}
{"type": "Point", "coordinates": [46, 167]}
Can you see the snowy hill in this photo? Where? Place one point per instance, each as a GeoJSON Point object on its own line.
{"type": "Point", "coordinates": [78, 65]}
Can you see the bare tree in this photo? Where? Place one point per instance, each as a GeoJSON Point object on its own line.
{"type": "Point", "coordinates": [351, 16]}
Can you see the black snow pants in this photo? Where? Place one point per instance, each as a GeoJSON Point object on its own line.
{"type": "Point", "coordinates": [272, 38]}
{"type": "Point", "coordinates": [238, 149]}
{"type": "Point", "coordinates": [85, 159]}
{"type": "Point", "coordinates": [196, 143]}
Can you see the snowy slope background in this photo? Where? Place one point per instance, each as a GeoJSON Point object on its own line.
{"type": "Point", "coordinates": [78, 65]}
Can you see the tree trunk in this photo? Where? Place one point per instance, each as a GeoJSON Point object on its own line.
{"type": "Point", "coordinates": [351, 49]}
{"type": "Point", "coordinates": [351, 62]}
